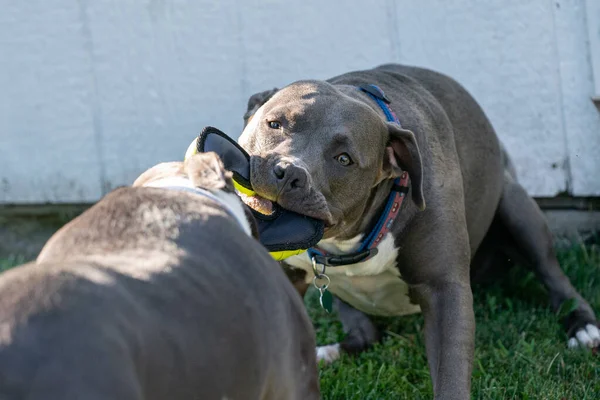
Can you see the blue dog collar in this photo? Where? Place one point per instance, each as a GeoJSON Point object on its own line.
{"type": "Point", "coordinates": [368, 248]}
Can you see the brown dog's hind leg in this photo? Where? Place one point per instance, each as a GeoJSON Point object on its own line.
{"type": "Point", "coordinates": [527, 226]}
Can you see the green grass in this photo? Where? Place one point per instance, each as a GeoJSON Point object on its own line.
{"type": "Point", "coordinates": [520, 348]}
{"type": "Point", "coordinates": [11, 261]}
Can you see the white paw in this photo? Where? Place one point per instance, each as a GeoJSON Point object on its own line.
{"type": "Point", "coordinates": [585, 337]}
{"type": "Point", "coordinates": [328, 353]}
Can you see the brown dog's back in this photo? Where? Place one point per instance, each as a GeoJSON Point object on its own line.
{"type": "Point", "coordinates": [205, 313]}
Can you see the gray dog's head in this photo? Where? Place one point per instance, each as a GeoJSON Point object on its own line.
{"type": "Point", "coordinates": [319, 150]}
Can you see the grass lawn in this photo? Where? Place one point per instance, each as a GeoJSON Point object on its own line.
{"type": "Point", "coordinates": [520, 350]}
{"type": "Point", "coordinates": [520, 347]}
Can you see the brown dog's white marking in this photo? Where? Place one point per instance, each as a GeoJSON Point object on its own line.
{"type": "Point", "coordinates": [229, 201]}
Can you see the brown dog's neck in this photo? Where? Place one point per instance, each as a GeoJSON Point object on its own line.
{"type": "Point", "coordinates": [229, 202]}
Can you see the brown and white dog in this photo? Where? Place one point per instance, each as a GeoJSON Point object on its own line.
{"type": "Point", "coordinates": [159, 291]}
{"type": "Point", "coordinates": [333, 151]}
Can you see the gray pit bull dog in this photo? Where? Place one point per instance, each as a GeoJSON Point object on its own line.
{"type": "Point", "coordinates": [329, 150]}
{"type": "Point", "coordinates": [157, 292]}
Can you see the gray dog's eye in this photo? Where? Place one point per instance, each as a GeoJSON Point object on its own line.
{"type": "Point", "coordinates": [274, 124]}
{"type": "Point", "coordinates": [344, 159]}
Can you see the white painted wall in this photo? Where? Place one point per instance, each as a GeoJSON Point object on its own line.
{"type": "Point", "coordinates": [593, 25]}
{"type": "Point", "coordinates": [95, 91]}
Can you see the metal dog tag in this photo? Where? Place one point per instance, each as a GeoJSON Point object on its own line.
{"type": "Point", "coordinates": [326, 299]}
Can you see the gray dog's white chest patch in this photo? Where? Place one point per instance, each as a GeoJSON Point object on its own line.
{"type": "Point", "coordinates": [374, 286]}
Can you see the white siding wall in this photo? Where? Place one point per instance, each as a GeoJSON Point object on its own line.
{"type": "Point", "coordinates": [95, 91]}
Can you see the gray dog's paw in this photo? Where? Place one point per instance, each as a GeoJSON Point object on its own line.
{"type": "Point", "coordinates": [328, 353]}
{"type": "Point", "coordinates": [586, 337]}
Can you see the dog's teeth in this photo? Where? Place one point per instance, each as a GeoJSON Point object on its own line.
{"type": "Point", "coordinates": [573, 343]}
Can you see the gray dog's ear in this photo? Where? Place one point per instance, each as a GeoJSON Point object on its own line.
{"type": "Point", "coordinates": [402, 154]}
{"type": "Point", "coordinates": [206, 171]}
{"type": "Point", "coordinates": [256, 101]}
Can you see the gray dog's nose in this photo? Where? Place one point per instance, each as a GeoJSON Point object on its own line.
{"type": "Point", "coordinates": [279, 171]}
{"type": "Point", "coordinates": [289, 175]}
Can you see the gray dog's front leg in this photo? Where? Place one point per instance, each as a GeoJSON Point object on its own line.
{"type": "Point", "coordinates": [360, 332]}
{"type": "Point", "coordinates": [449, 336]}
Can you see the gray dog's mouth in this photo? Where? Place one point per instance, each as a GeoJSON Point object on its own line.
{"type": "Point", "coordinates": [267, 207]}
{"type": "Point", "coordinates": [310, 205]}
{"type": "Point", "coordinates": [292, 190]}
{"type": "Point", "coordinates": [314, 209]}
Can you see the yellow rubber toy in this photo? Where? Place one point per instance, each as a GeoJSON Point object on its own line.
{"type": "Point", "coordinates": [277, 255]}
